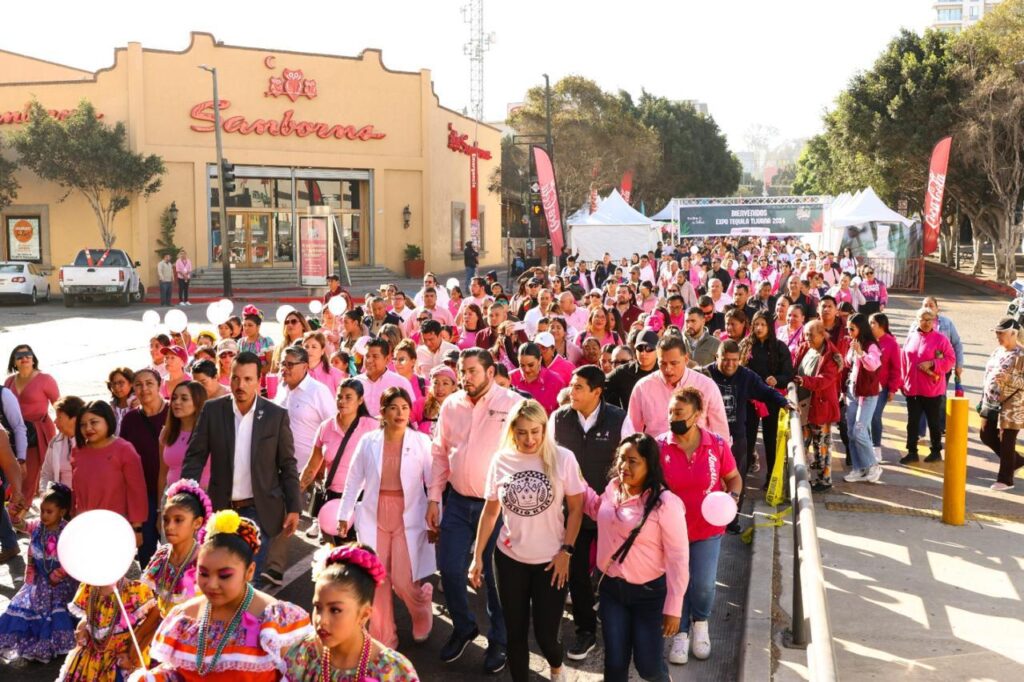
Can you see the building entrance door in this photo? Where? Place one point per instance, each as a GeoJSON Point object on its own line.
{"type": "Point", "coordinates": [251, 239]}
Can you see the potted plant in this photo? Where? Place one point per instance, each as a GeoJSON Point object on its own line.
{"type": "Point", "coordinates": [414, 264]}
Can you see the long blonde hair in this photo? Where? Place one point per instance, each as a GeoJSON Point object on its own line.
{"type": "Point", "coordinates": [532, 411]}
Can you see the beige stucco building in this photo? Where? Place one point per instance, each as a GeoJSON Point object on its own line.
{"type": "Point", "coordinates": [302, 130]}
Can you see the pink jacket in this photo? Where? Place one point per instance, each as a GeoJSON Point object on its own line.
{"type": "Point", "coordinates": [890, 373]}
{"type": "Point", "coordinates": [921, 347]}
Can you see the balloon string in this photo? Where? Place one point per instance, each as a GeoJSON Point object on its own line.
{"type": "Point", "coordinates": [131, 629]}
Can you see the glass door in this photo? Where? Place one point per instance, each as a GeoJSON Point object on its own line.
{"type": "Point", "coordinates": [260, 249]}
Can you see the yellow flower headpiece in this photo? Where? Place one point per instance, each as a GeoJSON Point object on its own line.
{"type": "Point", "coordinates": [226, 521]}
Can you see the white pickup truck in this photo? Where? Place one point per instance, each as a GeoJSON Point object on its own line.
{"type": "Point", "coordinates": [101, 274]}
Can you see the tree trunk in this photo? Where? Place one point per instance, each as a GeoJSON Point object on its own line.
{"type": "Point", "coordinates": [977, 244]}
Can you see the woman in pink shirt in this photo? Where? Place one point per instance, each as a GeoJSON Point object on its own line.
{"type": "Point", "coordinates": [35, 392]}
{"type": "Point", "coordinates": [563, 346]}
{"type": "Point", "coordinates": [187, 401]}
{"type": "Point", "coordinates": [405, 364]}
{"type": "Point", "coordinates": [861, 385]}
{"type": "Point", "coordinates": [600, 326]}
{"type": "Point", "coordinates": [472, 324]}
{"type": "Point", "coordinates": [528, 480]}
{"type": "Point", "coordinates": [643, 556]}
{"type": "Point", "coordinates": [890, 375]}
{"type": "Point", "coordinates": [536, 379]}
{"type": "Point", "coordinates": [696, 463]}
{"type": "Point", "coordinates": [106, 471]}
{"type": "Point", "coordinates": [183, 273]}
{"type": "Point", "coordinates": [442, 384]}
{"type": "Point", "coordinates": [320, 368]}
{"type": "Point", "coordinates": [352, 417]}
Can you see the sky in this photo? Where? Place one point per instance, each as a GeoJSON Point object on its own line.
{"type": "Point", "coordinates": [775, 63]}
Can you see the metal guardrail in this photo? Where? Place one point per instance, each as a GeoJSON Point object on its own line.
{"type": "Point", "coordinates": [810, 605]}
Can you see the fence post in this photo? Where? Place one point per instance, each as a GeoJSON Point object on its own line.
{"type": "Point", "coordinates": [954, 481]}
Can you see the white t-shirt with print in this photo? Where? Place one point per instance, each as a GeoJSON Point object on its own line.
{"type": "Point", "coordinates": [531, 503]}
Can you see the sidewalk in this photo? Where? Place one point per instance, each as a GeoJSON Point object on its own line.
{"type": "Point", "coordinates": [985, 282]}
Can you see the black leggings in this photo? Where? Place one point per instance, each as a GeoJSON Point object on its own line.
{"type": "Point", "coordinates": [1005, 447]}
{"type": "Point", "coordinates": [932, 408]}
{"type": "Point", "coordinates": [520, 587]}
{"type": "Point", "coordinates": [770, 428]}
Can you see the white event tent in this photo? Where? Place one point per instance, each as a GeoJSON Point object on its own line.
{"type": "Point", "coordinates": [615, 228]}
{"type": "Point", "coordinates": [862, 208]}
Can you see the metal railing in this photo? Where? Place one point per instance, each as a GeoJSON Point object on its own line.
{"type": "Point", "coordinates": [810, 605]}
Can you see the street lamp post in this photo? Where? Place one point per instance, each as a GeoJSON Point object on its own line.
{"type": "Point", "coordinates": [222, 195]}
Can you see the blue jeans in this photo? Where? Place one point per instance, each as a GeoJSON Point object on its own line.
{"type": "Point", "coordinates": [165, 293]}
{"type": "Point", "coordinates": [470, 274]}
{"type": "Point", "coordinates": [700, 594]}
{"type": "Point", "coordinates": [459, 520]}
{"type": "Point", "coordinates": [631, 624]}
{"type": "Point", "coordinates": [859, 413]}
{"type": "Point", "coordinates": [265, 538]}
{"type": "Point", "coordinates": [8, 538]}
{"type": "Point", "coordinates": [876, 418]}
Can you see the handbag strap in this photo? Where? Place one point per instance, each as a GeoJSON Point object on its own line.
{"type": "Point", "coordinates": [341, 449]}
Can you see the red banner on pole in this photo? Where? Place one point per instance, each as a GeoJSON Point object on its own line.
{"type": "Point", "coordinates": [474, 200]}
{"type": "Point", "coordinates": [626, 189]}
{"type": "Point", "coordinates": [549, 198]}
{"type": "Point", "coordinates": [933, 196]}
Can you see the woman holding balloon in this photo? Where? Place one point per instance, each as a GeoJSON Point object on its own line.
{"type": "Point", "coordinates": [698, 463]}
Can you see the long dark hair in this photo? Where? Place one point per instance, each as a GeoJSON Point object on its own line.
{"type": "Point", "coordinates": [172, 429]}
{"type": "Point", "coordinates": [357, 386]}
{"type": "Point", "coordinates": [882, 320]}
{"type": "Point", "coordinates": [654, 483]}
{"type": "Point", "coordinates": [771, 342]}
{"type": "Point", "coordinates": [864, 334]}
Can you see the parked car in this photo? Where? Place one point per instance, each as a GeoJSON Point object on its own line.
{"type": "Point", "coordinates": [99, 274]}
{"type": "Point", "coordinates": [23, 281]}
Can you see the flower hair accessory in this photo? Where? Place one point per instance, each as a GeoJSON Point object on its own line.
{"type": "Point", "coordinates": [228, 521]}
{"type": "Point", "coordinates": [191, 487]}
{"type": "Point", "coordinates": [251, 310]}
{"type": "Point", "coordinates": [352, 555]}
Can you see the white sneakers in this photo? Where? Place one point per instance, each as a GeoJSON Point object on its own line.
{"type": "Point", "coordinates": [679, 653]}
{"type": "Point", "coordinates": [999, 487]}
{"type": "Point", "coordinates": [701, 639]}
{"type": "Point", "coordinates": [855, 476]}
{"type": "Point", "coordinates": [869, 475]}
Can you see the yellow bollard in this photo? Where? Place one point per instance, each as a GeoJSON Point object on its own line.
{"type": "Point", "coordinates": [954, 484]}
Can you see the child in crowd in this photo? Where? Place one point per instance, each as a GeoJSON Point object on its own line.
{"type": "Point", "coordinates": [171, 573]}
{"type": "Point", "coordinates": [37, 625]}
{"type": "Point", "coordinates": [346, 579]}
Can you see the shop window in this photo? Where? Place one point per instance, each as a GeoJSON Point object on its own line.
{"type": "Point", "coordinates": [459, 227]}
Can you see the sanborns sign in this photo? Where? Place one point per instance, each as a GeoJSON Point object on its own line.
{"type": "Point", "coordinates": [286, 126]}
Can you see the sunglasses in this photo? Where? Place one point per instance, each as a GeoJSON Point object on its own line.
{"type": "Point", "coordinates": [21, 355]}
{"type": "Point", "coordinates": [226, 353]}
{"type": "Point", "coordinates": [291, 320]}
{"type": "Point", "coordinates": [644, 349]}
{"type": "Point", "coordinates": [620, 362]}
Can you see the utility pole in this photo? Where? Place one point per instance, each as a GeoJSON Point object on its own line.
{"type": "Point", "coordinates": [225, 241]}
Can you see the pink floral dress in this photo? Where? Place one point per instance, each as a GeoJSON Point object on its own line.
{"type": "Point", "coordinates": [172, 585]}
{"type": "Point", "coordinates": [303, 665]}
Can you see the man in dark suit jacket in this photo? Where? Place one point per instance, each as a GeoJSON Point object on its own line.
{"type": "Point", "coordinates": [266, 490]}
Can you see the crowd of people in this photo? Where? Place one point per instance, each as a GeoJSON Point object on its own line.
{"type": "Point", "coordinates": [546, 445]}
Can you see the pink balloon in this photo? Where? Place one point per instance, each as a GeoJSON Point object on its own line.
{"type": "Point", "coordinates": [718, 508]}
{"type": "Point", "coordinates": [328, 517]}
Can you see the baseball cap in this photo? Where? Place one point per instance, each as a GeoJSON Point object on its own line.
{"type": "Point", "coordinates": [648, 338]}
{"type": "Point", "coordinates": [227, 346]}
{"type": "Point", "coordinates": [1007, 324]}
{"type": "Point", "coordinates": [596, 292]}
{"type": "Point", "coordinates": [534, 282]}
{"type": "Point", "coordinates": [545, 339]}
{"type": "Point", "coordinates": [176, 351]}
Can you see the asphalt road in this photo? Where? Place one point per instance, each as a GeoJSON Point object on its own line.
{"type": "Point", "coordinates": [79, 346]}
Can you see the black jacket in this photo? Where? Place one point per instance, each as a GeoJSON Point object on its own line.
{"type": "Point", "coordinates": [736, 390]}
{"type": "Point", "coordinates": [765, 365]}
{"type": "Point", "coordinates": [620, 383]}
{"type": "Point", "coordinates": [595, 449]}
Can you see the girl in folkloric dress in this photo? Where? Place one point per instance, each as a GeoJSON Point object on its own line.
{"type": "Point", "coordinates": [342, 650]}
{"type": "Point", "coordinates": [37, 625]}
{"type": "Point", "coordinates": [171, 573]}
{"type": "Point", "coordinates": [231, 631]}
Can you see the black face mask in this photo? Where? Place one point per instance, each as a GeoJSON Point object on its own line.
{"type": "Point", "coordinates": [679, 427]}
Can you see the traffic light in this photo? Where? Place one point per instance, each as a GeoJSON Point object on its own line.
{"type": "Point", "coordinates": [536, 208]}
{"type": "Point", "coordinates": [228, 171]}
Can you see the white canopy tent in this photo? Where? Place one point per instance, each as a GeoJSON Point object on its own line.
{"type": "Point", "coordinates": [665, 214]}
{"type": "Point", "coordinates": [865, 207]}
{"type": "Point", "coordinates": [615, 228]}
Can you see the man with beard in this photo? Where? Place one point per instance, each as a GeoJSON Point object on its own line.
{"type": "Point", "coordinates": [701, 343]}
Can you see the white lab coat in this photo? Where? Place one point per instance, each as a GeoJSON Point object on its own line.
{"type": "Point", "coordinates": [364, 474]}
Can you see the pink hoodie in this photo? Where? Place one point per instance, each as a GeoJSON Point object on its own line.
{"type": "Point", "coordinates": [890, 374]}
{"type": "Point", "coordinates": [921, 347]}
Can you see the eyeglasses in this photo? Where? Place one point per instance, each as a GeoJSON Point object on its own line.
{"type": "Point", "coordinates": [289, 364]}
{"type": "Point", "coordinates": [226, 354]}
{"type": "Point", "coordinates": [291, 321]}
{"type": "Point", "coordinates": [620, 362]}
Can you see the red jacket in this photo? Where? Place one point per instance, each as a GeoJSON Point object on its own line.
{"type": "Point", "coordinates": [824, 385]}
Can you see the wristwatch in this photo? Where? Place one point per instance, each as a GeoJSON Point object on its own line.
{"type": "Point", "coordinates": [568, 549]}
{"type": "Point", "coordinates": [735, 496]}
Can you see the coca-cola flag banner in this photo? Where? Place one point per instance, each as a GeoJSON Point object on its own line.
{"type": "Point", "coordinates": [933, 196]}
{"type": "Point", "coordinates": [549, 198]}
{"type": "Point", "coordinates": [626, 189]}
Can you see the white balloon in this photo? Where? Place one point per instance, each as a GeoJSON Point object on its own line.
{"type": "Point", "coordinates": [316, 306]}
{"type": "Point", "coordinates": [359, 347]}
{"type": "Point", "coordinates": [151, 318]}
{"type": "Point", "coordinates": [97, 547]}
{"type": "Point", "coordinates": [451, 283]}
{"type": "Point", "coordinates": [337, 305]}
{"type": "Point", "coordinates": [227, 306]}
{"type": "Point", "coordinates": [216, 314]}
{"type": "Point", "coordinates": [283, 312]}
{"type": "Point", "coordinates": [176, 320]}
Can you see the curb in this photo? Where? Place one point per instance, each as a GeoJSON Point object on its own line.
{"type": "Point", "coordinates": [756, 645]}
{"type": "Point", "coordinates": [970, 280]}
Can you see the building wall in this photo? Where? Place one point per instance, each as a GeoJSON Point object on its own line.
{"type": "Point", "coordinates": [970, 12]}
{"type": "Point", "coordinates": [155, 93]}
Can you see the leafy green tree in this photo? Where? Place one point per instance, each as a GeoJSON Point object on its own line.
{"type": "Point", "coordinates": [165, 242]}
{"type": "Point", "coordinates": [84, 154]}
{"type": "Point", "coordinates": [8, 183]}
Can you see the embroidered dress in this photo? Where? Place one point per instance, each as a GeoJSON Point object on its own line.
{"type": "Point", "coordinates": [171, 584]}
{"type": "Point", "coordinates": [109, 638]}
{"type": "Point", "coordinates": [303, 665]}
{"type": "Point", "coordinates": [260, 346]}
{"type": "Point", "coordinates": [252, 654]}
{"type": "Point", "coordinates": [37, 625]}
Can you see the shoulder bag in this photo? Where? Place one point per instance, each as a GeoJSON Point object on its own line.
{"type": "Point", "coordinates": [318, 498]}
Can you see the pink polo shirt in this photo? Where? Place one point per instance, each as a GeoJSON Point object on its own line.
{"type": "Point", "coordinates": [563, 368]}
{"type": "Point", "coordinates": [544, 389]}
{"type": "Point", "coordinates": [648, 405]}
{"type": "Point", "coordinates": [694, 480]}
{"type": "Point", "coordinates": [328, 438]}
{"type": "Point", "coordinates": [660, 547]}
{"type": "Point", "coordinates": [373, 390]}
{"type": "Point", "coordinates": [330, 379]}
{"type": "Point", "coordinates": [466, 437]}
